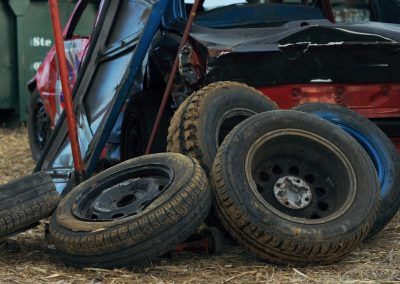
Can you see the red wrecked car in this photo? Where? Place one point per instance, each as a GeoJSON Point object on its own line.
{"type": "Point", "coordinates": [47, 100]}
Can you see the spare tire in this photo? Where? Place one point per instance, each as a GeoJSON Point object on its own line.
{"type": "Point", "coordinates": [294, 188]}
{"type": "Point", "coordinates": [26, 201]}
{"type": "Point", "coordinates": [207, 116]}
{"type": "Point", "coordinates": [379, 148]}
{"type": "Point", "coordinates": [131, 213]}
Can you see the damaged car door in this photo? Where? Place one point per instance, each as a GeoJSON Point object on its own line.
{"type": "Point", "coordinates": [111, 70]}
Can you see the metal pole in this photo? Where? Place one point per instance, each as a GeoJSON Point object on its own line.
{"type": "Point", "coordinates": [63, 69]}
{"type": "Point", "coordinates": [327, 8]}
{"type": "Point", "coordinates": [172, 77]}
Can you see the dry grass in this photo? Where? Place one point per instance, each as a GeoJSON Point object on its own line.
{"type": "Point", "coordinates": [29, 258]}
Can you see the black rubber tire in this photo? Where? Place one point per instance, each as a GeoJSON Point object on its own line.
{"type": "Point", "coordinates": [382, 149]}
{"type": "Point", "coordinates": [192, 128]}
{"type": "Point", "coordinates": [141, 113]}
{"type": "Point", "coordinates": [275, 238]}
{"type": "Point", "coordinates": [216, 238]}
{"type": "Point", "coordinates": [36, 147]}
{"type": "Point", "coordinates": [169, 220]}
{"type": "Point", "coordinates": [175, 136]}
{"type": "Point", "coordinates": [26, 201]}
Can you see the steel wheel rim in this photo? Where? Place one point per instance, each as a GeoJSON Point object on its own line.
{"type": "Point", "coordinates": [329, 200]}
{"type": "Point", "coordinates": [123, 194]}
{"type": "Point", "coordinates": [228, 121]}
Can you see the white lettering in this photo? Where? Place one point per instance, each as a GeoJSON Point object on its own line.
{"type": "Point", "coordinates": [36, 65]}
{"type": "Point", "coordinates": [41, 42]}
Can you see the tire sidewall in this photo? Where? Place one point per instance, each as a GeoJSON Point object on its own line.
{"type": "Point", "coordinates": [183, 169]}
{"type": "Point", "coordinates": [235, 152]}
{"type": "Point", "coordinates": [217, 102]}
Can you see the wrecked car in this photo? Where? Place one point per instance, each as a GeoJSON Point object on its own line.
{"type": "Point", "coordinates": [242, 59]}
{"type": "Point", "coordinates": [286, 95]}
{"type": "Point", "coordinates": [47, 101]}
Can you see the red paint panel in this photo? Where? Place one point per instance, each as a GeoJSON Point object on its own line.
{"type": "Point", "coordinates": [370, 100]}
{"type": "Point", "coordinates": [47, 77]}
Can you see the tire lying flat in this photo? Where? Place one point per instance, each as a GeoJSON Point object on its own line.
{"type": "Point", "coordinates": [378, 146]}
{"type": "Point", "coordinates": [103, 222]}
{"type": "Point", "coordinates": [26, 201]}
{"type": "Point", "coordinates": [203, 120]}
{"type": "Point", "coordinates": [294, 188]}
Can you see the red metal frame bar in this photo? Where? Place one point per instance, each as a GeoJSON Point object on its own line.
{"type": "Point", "coordinates": [327, 9]}
{"type": "Point", "coordinates": [63, 69]}
{"type": "Point", "coordinates": [172, 76]}
{"type": "Point", "coordinates": [76, 16]}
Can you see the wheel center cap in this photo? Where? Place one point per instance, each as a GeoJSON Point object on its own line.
{"type": "Point", "coordinates": [293, 192]}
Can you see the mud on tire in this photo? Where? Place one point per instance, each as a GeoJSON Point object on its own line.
{"type": "Point", "coordinates": [93, 226]}
{"type": "Point", "coordinates": [202, 121]}
{"type": "Point", "coordinates": [294, 188]}
{"type": "Point", "coordinates": [26, 201]}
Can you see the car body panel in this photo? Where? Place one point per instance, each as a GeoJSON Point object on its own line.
{"type": "Point", "coordinates": [96, 124]}
{"type": "Point", "coordinates": [47, 78]}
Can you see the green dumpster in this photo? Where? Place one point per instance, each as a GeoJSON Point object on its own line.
{"type": "Point", "coordinates": [25, 38]}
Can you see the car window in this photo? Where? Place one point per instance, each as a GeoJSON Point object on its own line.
{"type": "Point", "coordinates": [351, 11]}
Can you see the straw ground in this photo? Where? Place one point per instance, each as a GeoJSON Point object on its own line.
{"type": "Point", "coordinates": [30, 258]}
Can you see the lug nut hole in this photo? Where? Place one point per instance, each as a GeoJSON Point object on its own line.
{"type": "Point", "coordinates": [277, 170]}
{"type": "Point", "coordinates": [310, 178]}
{"type": "Point", "coordinates": [323, 206]}
{"type": "Point", "coordinates": [264, 176]}
{"type": "Point", "coordinates": [320, 191]}
{"type": "Point", "coordinates": [126, 200]}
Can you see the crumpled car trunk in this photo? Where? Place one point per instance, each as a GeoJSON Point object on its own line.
{"type": "Point", "coordinates": [300, 52]}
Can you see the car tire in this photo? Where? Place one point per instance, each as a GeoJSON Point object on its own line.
{"type": "Point", "coordinates": [39, 125]}
{"type": "Point", "coordinates": [207, 116]}
{"type": "Point", "coordinates": [378, 146]}
{"type": "Point", "coordinates": [175, 139]}
{"type": "Point", "coordinates": [26, 201]}
{"type": "Point", "coordinates": [117, 235]}
{"type": "Point", "coordinates": [294, 189]}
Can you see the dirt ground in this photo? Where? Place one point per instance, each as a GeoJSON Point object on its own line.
{"type": "Point", "coordinates": [29, 258]}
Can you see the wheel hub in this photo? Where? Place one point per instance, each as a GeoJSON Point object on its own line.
{"type": "Point", "coordinates": [123, 194]}
{"type": "Point", "coordinates": [293, 192]}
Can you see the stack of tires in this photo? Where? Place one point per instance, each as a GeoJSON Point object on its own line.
{"type": "Point", "coordinates": [295, 187]}
{"type": "Point", "coordinates": [300, 186]}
